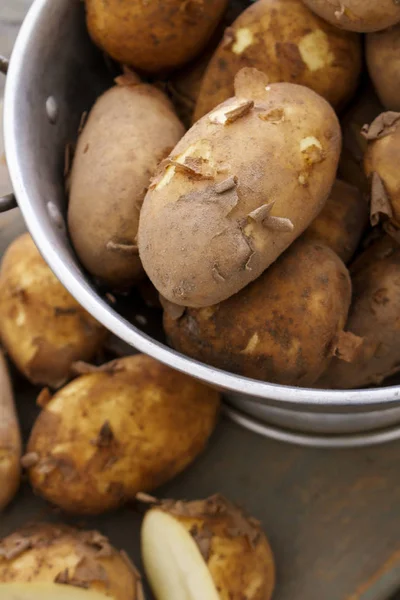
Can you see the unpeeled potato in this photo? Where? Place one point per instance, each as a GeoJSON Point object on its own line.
{"type": "Point", "coordinates": [357, 15]}
{"type": "Point", "coordinates": [383, 59]}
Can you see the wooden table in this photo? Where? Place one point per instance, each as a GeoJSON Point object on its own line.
{"type": "Point", "coordinates": [333, 517]}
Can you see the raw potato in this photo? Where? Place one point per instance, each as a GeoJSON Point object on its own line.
{"type": "Point", "coordinates": [130, 130]}
{"type": "Point", "coordinates": [374, 317]}
{"type": "Point", "coordinates": [49, 562]}
{"type": "Point", "coordinates": [342, 222]}
{"type": "Point", "coordinates": [357, 15]}
{"type": "Point", "coordinates": [130, 426]}
{"type": "Point", "coordinates": [212, 222]}
{"type": "Point", "coordinates": [382, 167]}
{"type": "Point", "coordinates": [383, 59]}
{"type": "Point", "coordinates": [153, 36]}
{"type": "Point", "coordinates": [282, 328]}
{"type": "Point", "coordinates": [351, 166]}
{"type": "Point", "coordinates": [10, 439]}
{"type": "Point", "coordinates": [206, 549]}
{"type": "Point", "coordinates": [286, 41]}
{"type": "Point", "coordinates": [42, 327]}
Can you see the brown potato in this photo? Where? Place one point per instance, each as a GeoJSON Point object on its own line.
{"type": "Point", "coordinates": [342, 222]}
{"type": "Point", "coordinates": [373, 317]}
{"type": "Point", "coordinates": [364, 110]}
{"type": "Point", "coordinates": [214, 551]}
{"type": "Point", "coordinates": [42, 327]}
{"type": "Point", "coordinates": [153, 36]}
{"type": "Point", "coordinates": [383, 60]}
{"type": "Point", "coordinates": [10, 439]}
{"type": "Point", "coordinates": [129, 426]}
{"type": "Point", "coordinates": [282, 328]}
{"type": "Point", "coordinates": [129, 131]}
{"type": "Point", "coordinates": [212, 222]}
{"type": "Point", "coordinates": [288, 43]}
{"type": "Point", "coordinates": [49, 562]}
{"type": "Point", "coordinates": [357, 15]}
{"type": "Point", "coordinates": [382, 167]}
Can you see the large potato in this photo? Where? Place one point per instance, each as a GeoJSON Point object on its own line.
{"type": "Point", "coordinates": [364, 110]}
{"type": "Point", "coordinates": [206, 549]}
{"type": "Point", "coordinates": [282, 328]}
{"type": "Point", "coordinates": [241, 185]}
{"type": "Point", "coordinates": [383, 59]}
{"type": "Point", "coordinates": [10, 439]}
{"type": "Point", "coordinates": [42, 327]}
{"type": "Point", "coordinates": [130, 129]}
{"type": "Point", "coordinates": [153, 36]}
{"type": "Point", "coordinates": [342, 222]}
{"type": "Point", "coordinates": [382, 167]}
{"type": "Point", "coordinates": [49, 562]}
{"type": "Point", "coordinates": [357, 15]}
{"type": "Point", "coordinates": [373, 317]}
{"type": "Point", "coordinates": [289, 43]}
{"type": "Point", "coordinates": [129, 427]}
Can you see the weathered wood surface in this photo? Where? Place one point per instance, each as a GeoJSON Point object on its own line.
{"type": "Point", "coordinates": [333, 517]}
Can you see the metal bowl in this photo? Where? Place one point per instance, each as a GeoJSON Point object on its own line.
{"type": "Point", "coordinates": [55, 74]}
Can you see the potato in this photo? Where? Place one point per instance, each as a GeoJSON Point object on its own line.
{"type": "Point", "coordinates": [10, 439]}
{"type": "Point", "coordinates": [342, 222]}
{"type": "Point", "coordinates": [130, 130]}
{"type": "Point", "coordinates": [373, 317]}
{"type": "Point", "coordinates": [282, 328]}
{"type": "Point", "coordinates": [383, 60]}
{"type": "Point", "coordinates": [241, 185]}
{"type": "Point", "coordinates": [364, 110]}
{"type": "Point", "coordinates": [129, 426]}
{"type": "Point", "coordinates": [49, 562]}
{"type": "Point", "coordinates": [289, 43]}
{"type": "Point", "coordinates": [381, 166]}
{"type": "Point", "coordinates": [357, 15]}
{"type": "Point", "coordinates": [206, 549]}
{"type": "Point", "coordinates": [42, 327]}
{"type": "Point", "coordinates": [153, 36]}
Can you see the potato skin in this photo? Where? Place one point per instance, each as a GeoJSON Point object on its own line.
{"type": "Point", "coordinates": [153, 36]}
{"type": "Point", "coordinates": [281, 328]}
{"type": "Point", "coordinates": [383, 60]}
{"type": "Point", "coordinates": [342, 222]}
{"type": "Point", "coordinates": [49, 552]}
{"type": "Point", "coordinates": [240, 559]}
{"type": "Point", "coordinates": [288, 43]}
{"type": "Point", "coordinates": [10, 439]}
{"type": "Point", "coordinates": [42, 327]}
{"type": "Point", "coordinates": [374, 317]}
{"type": "Point", "coordinates": [140, 424]}
{"type": "Point", "coordinates": [130, 129]}
{"type": "Point", "coordinates": [381, 162]}
{"type": "Point", "coordinates": [357, 15]}
{"type": "Point", "coordinates": [199, 244]}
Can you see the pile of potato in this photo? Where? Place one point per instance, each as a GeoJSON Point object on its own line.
{"type": "Point", "coordinates": [242, 169]}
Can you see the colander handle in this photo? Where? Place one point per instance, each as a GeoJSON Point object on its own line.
{"type": "Point", "coordinates": [6, 202]}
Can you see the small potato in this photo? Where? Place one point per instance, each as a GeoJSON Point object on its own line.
{"type": "Point", "coordinates": [153, 36]}
{"type": "Point", "coordinates": [373, 317]}
{"type": "Point", "coordinates": [10, 439]}
{"type": "Point", "coordinates": [357, 15]}
{"type": "Point", "coordinates": [55, 562]}
{"type": "Point", "coordinates": [342, 222]}
{"type": "Point", "coordinates": [383, 60]}
{"type": "Point", "coordinates": [237, 190]}
{"type": "Point", "coordinates": [130, 129]}
{"type": "Point", "coordinates": [288, 43]}
{"type": "Point", "coordinates": [129, 426]}
{"type": "Point", "coordinates": [382, 167]}
{"type": "Point", "coordinates": [42, 327]}
{"type": "Point", "coordinates": [282, 328]}
{"type": "Point", "coordinates": [351, 166]}
{"type": "Point", "coordinates": [206, 549]}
